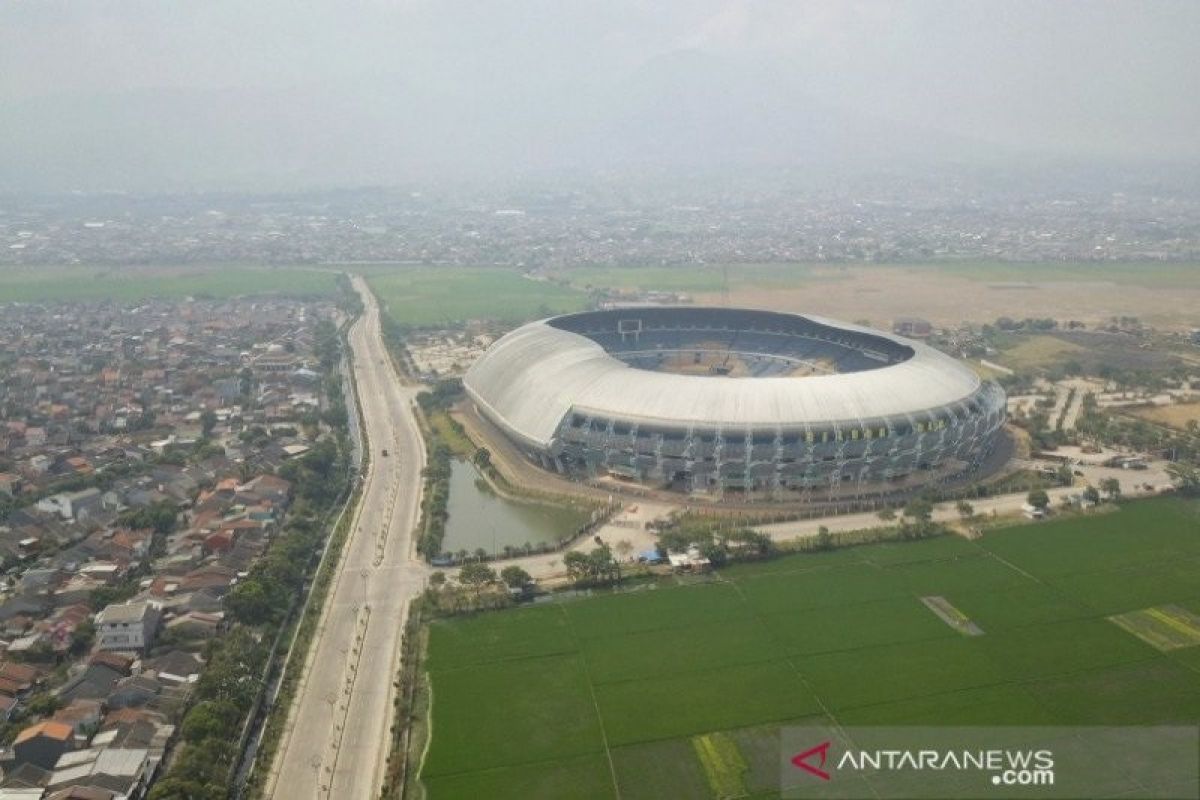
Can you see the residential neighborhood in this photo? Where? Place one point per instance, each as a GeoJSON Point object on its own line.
{"type": "Point", "coordinates": [144, 460]}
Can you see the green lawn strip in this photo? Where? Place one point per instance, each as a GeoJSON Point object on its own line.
{"type": "Point", "coordinates": [1063, 648]}
{"type": "Point", "coordinates": [132, 284]}
{"type": "Point", "coordinates": [1031, 604]}
{"type": "Point", "coordinates": [521, 633]}
{"type": "Point", "coordinates": [423, 296]}
{"type": "Point", "coordinates": [706, 278]}
{"type": "Point", "coordinates": [1116, 591]}
{"type": "Point", "coordinates": [1156, 691]}
{"type": "Point", "coordinates": [697, 702]}
{"type": "Point", "coordinates": [857, 626]}
{"type": "Point", "coordinates": [952, 577]}
{"type": "Point", "coordinates": [511, 712]}
{"type": "Point", "coordinates": [853, 678]}
{"type": "Point", "coordinates": [582, 777]}
{"type": "Point", "coordinates": [702, 608]}
{"type": "Point", "coordinates": [677, 650]}
{"type": "Point", "coordinates": [836, 586]}
{"type": "Point", "coordinates": [1166, 529]}
{"type": "Point", "coordinates": [662, 769]}
{"type": "Point", "coordinates": [795, 563]}
{"type": "Point", "coordinates": [1000, 704]}
{"type": "Point", "coordinates": [938, 549]}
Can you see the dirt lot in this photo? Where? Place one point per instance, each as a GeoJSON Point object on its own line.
{"type": "Point", "coordinates": [880, 294]}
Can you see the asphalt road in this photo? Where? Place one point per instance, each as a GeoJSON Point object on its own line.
{"type": "Point", "coordinates": [336, 740]}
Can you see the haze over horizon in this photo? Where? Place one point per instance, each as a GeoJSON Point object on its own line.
{"type": "Point", "coordinates": [174, 96]}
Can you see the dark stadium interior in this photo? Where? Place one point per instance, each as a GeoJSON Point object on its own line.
{"type": "Point", "coordinates": [732, 342]}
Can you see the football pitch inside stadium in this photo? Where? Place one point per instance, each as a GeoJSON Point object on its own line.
{"type": "Point", "coordinates": [678, 689]}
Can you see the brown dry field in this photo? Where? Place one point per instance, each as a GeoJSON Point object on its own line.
{"type": "Point", "coordinates": [878, 295]}
{"type": "Point", "coordinates": [1176, 416]}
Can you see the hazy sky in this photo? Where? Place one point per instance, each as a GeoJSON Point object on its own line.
{"type": "Point", "coordinates": [179, 93]}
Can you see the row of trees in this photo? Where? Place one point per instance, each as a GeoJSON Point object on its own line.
{"type": "Point", "coordinates": [718, 545]}
{"type": "Point", "coordinates": [224, 696]}
{"type": "Point", "coordinates": [435, 499]}
{"type": "Point", "coordinates": [263, 597]}
{"type": "Point", "coordinates": [317, 477]}
{"type": "Point", "coordinates": [236, 661]}
{"type": "Point", "coordinates": [595, 568]}
{"type": "Point", "coordinates": [477, 588]}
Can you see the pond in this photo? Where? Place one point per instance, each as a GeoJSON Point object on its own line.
{"type": "Point", "coordinates": [481, 518]}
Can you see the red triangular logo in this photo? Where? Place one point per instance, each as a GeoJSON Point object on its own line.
{"type": "Point", "coordinates": [801, 760]}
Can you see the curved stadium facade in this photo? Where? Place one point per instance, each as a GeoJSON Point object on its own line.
{"type": "Point", "coordinates": [716, 399]}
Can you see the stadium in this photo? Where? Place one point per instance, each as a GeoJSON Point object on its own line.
{"type": "Point", "coordinates": [714, 400]}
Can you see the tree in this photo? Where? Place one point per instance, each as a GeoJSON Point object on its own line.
{"type": "Point", "coordinates": [209, 719]}
{"type": "Point", "coordinates": [824, 538]}
{"type": "Point", "coordinates": [159, 516]}
{"type": "Point", "coordinates": [596, 567]}
{"type": "Point", "coordinates": [437, 579]}
{"type": "Point", "coordinates": [1065, 476]}
{"type": "Point", "coordinates": [1185, 477]}
{"type": "Point", "coordinates": [82, 637]}
{"type": "Point", "coordinates": [919, 509]}
{"type": "Point", "coordinates": [515, 578]}
{"type": "Point", "coordinates": [482, 458]}
{"type": "Point", "coordinates": [477, 575]}
{"type": "Point", "coordinates": [1111, 488]}
{"type": "Point", "coordinates": [887, 515]}
{"type": "Point", "coordinates": [44, 704]}
{"type": "Point", "coordinates": [1038, 499]}
{"type": "Point", "coordinates": [624, 548]}
{"type": "Point", "coordinates": [576, 564]}
{"type": "Point", "coordinates": [965, 509]}
{"type": "Point", "coordinates": [1091, 494]}
{"type": "Point", "coordinates": [208, 421]}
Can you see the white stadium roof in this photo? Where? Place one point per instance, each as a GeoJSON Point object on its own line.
{"type": "Point", "coordinates": [532, 377]}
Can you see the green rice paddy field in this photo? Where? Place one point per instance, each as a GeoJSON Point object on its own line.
{"type": "Point", "coordinates": [678, 690]}
{"type": "Point", "coordinates": [133, 284]}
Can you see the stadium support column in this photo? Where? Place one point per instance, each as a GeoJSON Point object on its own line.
{"type": "Point", "coordinates": [606, 447]}
{"type": "Point", "coordinates": [718, 448]}
{"type": "Point", "coordinates": [777, 481]}
{"type": "Point", "coordinates": [689, 456]}
{"type": "Point", "coordinates": [747, 460]}
{"type": "Point", "coordinates": [839, 461]}
{"type": "Point", "coordinates": [658, 456]}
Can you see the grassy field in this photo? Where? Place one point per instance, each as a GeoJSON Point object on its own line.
{"type": "Point", "coordinates": [130, 284]}
{"type": "Point", "coordinates": [422, 296]}
{"type": "Point", "coordinates": [679, 690]}
{"type": "Point", "coordinates": [1038, 351]}
{"type": "Point", "coordinates": [708, 278]}
{"type": "Point", "coordinates": [1149, 274]}
{"type": "Point", "coordinates": [701, 279]}
{"type": "Point", "coordinates": [1176, 416]}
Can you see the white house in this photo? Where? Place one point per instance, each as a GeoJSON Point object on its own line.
{"type": "Point", "coordinates": [127, 626]}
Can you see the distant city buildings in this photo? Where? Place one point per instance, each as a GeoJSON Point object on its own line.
{"type": "Point", "coordinates": [893, 217]}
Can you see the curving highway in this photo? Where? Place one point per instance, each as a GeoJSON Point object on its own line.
{"type": "Point", "coordinates": [336, 739]}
